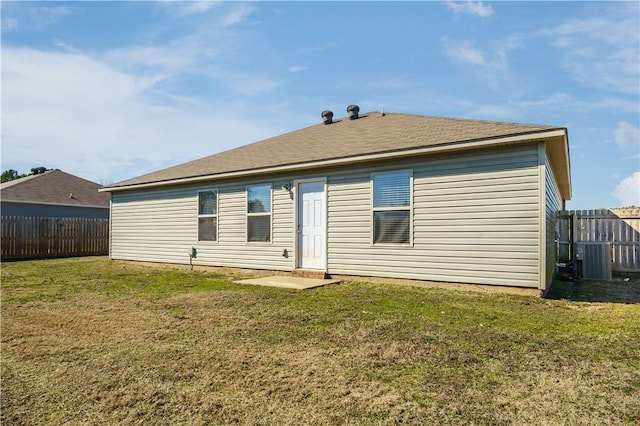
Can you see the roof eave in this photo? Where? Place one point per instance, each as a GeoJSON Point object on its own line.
{"type": "Point", "coordinates": [561, 163]}
{"type": "Point", "coordinates": [453, 146]}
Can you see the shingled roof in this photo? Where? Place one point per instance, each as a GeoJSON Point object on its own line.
{"type": "Point", "coordinates": [54, 187]}
{"type": "Point", "coordinates": [370, 134]}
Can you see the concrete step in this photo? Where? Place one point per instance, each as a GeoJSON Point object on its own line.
{"type": "Point", "coordinates": [309, 273]}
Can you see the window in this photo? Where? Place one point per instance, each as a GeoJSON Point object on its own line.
{"type": "Point", "coordinates": [208, 215]}
{"type": "Point", "coordinates": [392, 207]}
{"type": "Point", "coordinates": [259, 213]}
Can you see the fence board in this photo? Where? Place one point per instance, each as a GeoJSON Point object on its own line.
{"type": "Point", "coordinates": [27, 237]}
{"type": "Point", "coordinates": [619, 227]}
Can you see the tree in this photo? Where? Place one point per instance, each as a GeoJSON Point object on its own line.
{"type": "Point", "coordinates": [11, 174]}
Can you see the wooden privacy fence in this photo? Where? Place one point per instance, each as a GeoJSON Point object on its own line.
{"type": "Point", "coordinates": [42, 237]}
{"type": "Point", "coordinates": [620, 227]}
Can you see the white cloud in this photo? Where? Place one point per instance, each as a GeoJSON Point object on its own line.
{"type": "Point", "coordinates": [628, 190]}
{"type": "Point", "coordinates": [187, 8]}
{"type": "Point", "coordinates": [14, 16]}
{"type": "Point", "coordinates": [199, 54]}
{"type": "Point", "coordinates": [124, 112]}
{"type": "Point", "coordinates": [236, 16]}
{"type": "Point", "coordinates": [466, 53]}
{"type": "Point", "coordinates": [64, 46]}
{"type": "Point", "coordinates": [192, 7]}
{"type": "Point", "coordinates": [46, 15]}
{"type": "Point", "coordinates": [298, 68]}
{"type": "Point", "coordinates": [511, 110]}
{"type": "Point", "coordinates": [627, 136]}
{"type": "Point", "coordinates": [227, 13]}
{"type": "Point", "coordinates": [158, 62]}
{"type": "Point", "coordinates": [470, 7]}
{"type": "Point", "coordinates": [614, 104]}
{"type": "Point", "coordinates": [88, 118]}
{"type": "Point", "coordinates": [557, 103]}
{"type": "Point", "coordinates": [602, 52]}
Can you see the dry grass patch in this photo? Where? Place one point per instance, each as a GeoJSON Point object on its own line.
{"type": "Point", "coordinates": [97, 342]}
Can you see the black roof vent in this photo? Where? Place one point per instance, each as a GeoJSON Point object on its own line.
{"type": "Point", "coordinates": [327, 116]}
{"type": "Point", "coordinates": [353, 111]}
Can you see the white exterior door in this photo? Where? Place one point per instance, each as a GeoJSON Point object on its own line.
{"type": "Point", "coordinates": [311, 225]}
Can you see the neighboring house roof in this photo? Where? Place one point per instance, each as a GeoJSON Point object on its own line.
{"type": "Point", "coordinates": [372, 136]}
{"type": "Point", "coordinates": [54, 187]}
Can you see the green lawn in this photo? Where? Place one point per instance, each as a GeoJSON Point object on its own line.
{"type": "Point", "coordinates": [91, 341]}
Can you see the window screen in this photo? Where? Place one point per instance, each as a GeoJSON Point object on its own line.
{"type": "Point", "coordinates": [392, 208]}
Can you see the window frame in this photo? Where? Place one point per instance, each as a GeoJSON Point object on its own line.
{"type": "Point", "coordinates": [207, 215]}
{"type": "Point", "coordinates": [408, 208]}
{"type": "Point", "coordinates": [248, 215]}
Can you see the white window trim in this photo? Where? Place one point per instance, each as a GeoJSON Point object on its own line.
{"type": "Point", "coordinates": [402, 208]}
{"type": "Point", "coordinates": [247, 215]}
{"type": "Point", "coordinates": [208, 215]}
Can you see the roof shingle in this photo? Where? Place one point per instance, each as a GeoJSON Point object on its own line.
{"type": "Point", "coordinates": [372, 133]}
{"type": "Point", "coordinates": [55, 187]}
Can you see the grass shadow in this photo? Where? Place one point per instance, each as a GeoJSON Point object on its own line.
{"type": "Point", "coordinates": [623, 288]}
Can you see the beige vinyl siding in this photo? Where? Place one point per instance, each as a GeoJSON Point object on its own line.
{"type": "Point", "coordinates": [553, 205]}
{"type": "Point", "coordinates": [153, 225]}
{"type": "Point", "coordinates": [161, 226]}
{"type": "Point", "coordinates": [476, 219]}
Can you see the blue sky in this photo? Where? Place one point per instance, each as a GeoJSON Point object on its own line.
{"type": "Point", "coordinates": [113, 90]}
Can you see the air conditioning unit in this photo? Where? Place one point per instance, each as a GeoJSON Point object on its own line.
{"type": "Point", "coordinates": [593, 260]}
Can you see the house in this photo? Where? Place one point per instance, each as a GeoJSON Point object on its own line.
{"type": "Point", "coordinates": [375, 194]}
{"type": "Point", "coordinates": [53, 193]}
